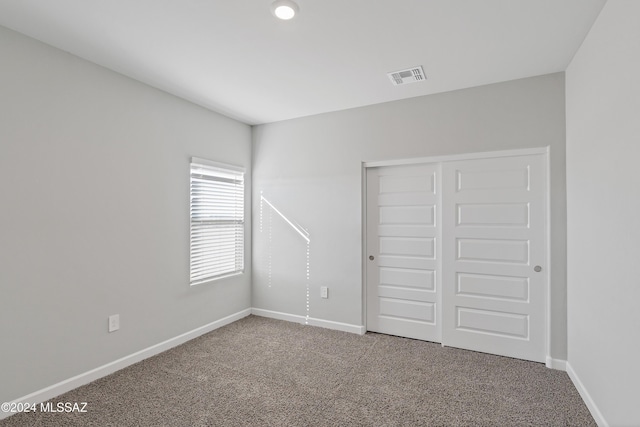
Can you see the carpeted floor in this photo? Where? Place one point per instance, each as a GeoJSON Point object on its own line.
{"type": "Point", "coordinates": [265, 372]}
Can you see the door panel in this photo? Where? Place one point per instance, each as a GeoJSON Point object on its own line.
{"type": "Point", "coordinates": [492, 322]}
{"type": "Point", "coordinates": [402, 289]}
{"type": "Point", "coordinates": [493, 250]}
{"type": "Point", "coordinates": [494, 214]}
{"type": "Point", "coordinates": [492, 286]}
{"type": "Point", "coordinates": [424, 279]}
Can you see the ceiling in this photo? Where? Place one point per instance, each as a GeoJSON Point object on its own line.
{"type": "Point", "coordinates": [234, 57]}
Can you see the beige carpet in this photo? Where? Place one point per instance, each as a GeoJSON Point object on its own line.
{"type": "Point", "coordinates": [264, 372]}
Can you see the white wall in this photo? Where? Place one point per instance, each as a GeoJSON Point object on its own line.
{"type": "Point", "coordinates": [310, 169]}
{"type": "Point", "coordinates": [603, 187]}
{"type": "Point", "coordinates": [94, 215]}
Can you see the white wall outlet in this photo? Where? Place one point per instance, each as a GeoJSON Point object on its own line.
{"type": "Point", "coordinates": [114, 322]}
{"type": "Point", "coordinates": [324, 292]}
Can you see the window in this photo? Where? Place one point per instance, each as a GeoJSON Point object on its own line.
{"type": "Point", "coordinates": [217, 221]}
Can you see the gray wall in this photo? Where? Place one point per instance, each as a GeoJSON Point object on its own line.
{"type": "Point", "coordinates": [310, 169]}
{"type": "Point", "coordinates": [94, 216]}
{"type": "Point", "coordinates": [603, 190]}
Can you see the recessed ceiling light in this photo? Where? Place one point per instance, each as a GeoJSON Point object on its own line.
{"type": "Point", "coordinates": [284, 9]}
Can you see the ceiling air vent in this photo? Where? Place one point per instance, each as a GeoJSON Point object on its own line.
{"type": "Point", "coordinates": [410, 75]}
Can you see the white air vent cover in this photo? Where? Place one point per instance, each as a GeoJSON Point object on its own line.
{"type": "Point", "coordinates": [410, 75]}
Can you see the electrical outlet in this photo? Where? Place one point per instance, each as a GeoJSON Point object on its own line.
{"type": "Point", "coordinates": [324, 292]}
{"type": "Point", "coordinates": [114, 322]}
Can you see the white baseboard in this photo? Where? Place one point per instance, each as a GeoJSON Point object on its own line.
{"type": "Point", "coordinates": [328, 324]}
{"type": "Point", "coordinates": [591, 405]}
{"type": "Point", "coordinates": [102, 371]}
{"type": "Point", "coordinates": [558, 364]}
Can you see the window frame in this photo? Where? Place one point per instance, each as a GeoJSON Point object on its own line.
{"type": "Point", "coordinates": [225, 214]}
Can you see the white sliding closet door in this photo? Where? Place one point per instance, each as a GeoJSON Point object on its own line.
{"type": "Point", "coordinates": [456, 253]}
{"type": "Point", "coordinates": [494, 286]}
{"type": "Point", "coordinates": [402, 276]}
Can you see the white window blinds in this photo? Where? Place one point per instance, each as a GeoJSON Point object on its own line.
{"type": "Point", "coordinates": [217, 221]}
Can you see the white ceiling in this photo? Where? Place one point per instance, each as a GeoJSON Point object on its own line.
{"type": "Point", "coordinates": [234, 57]}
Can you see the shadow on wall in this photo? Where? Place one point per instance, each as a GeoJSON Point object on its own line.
{"type": "Point", "coordinates": [286, 253]}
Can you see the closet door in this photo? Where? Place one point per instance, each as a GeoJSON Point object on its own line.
{"type": "Point", "coordinates": [494, 255]}
{"type": "Point", "coordinates": [402, 257]}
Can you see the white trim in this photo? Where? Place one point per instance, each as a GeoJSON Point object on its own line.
{"type": "Point", "coordinates": [111, 367]}
{"type": "Point", "coordinates": [363, 248]}
{"type": "Point", "coordinates": [558, 364]}
{"type": "Point", "coordinates": [458, 157]}
{"type": "Point", "coordinates": [328, 324]}
{"type": "Point", "coordinates": [225, 167]}
{"type": "Point", "coordinates": [215, 254]}
{"type": "Point", "coordinates": [548, 268]}
{"type": "Point", "coordinates": [591, 405]}
{"type": "Point", "coordinates": [439, 276]}
{"type": "Point", "coordinates": [213, 279]}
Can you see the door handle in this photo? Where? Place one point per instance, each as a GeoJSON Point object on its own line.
{"type": "Point", "coordinates": [371, 257]}
{"type": "Point", "coordinates": [537, 269]}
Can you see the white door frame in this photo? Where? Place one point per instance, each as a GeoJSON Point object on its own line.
{"type": "Point", "coordinates": [457, 157]}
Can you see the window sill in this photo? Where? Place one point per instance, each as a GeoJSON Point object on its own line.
{"type": "Point", "coordinates": [215, 279]}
